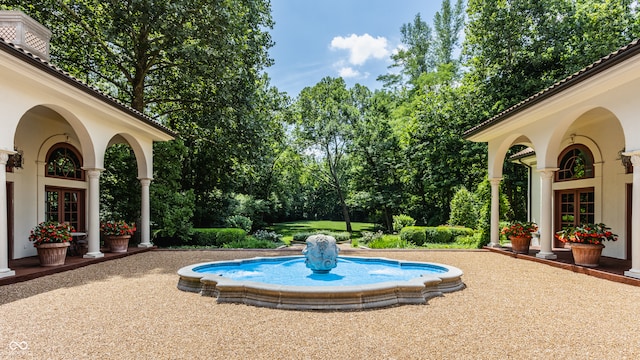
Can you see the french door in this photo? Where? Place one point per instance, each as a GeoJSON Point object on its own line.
{"type": "Point", "coordinates": [65, 205]}
{"type": "Point", "coordinates": [573, 207]}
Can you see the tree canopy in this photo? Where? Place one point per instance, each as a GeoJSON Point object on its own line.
{"type": "Point", "coordinates": [200, 67]}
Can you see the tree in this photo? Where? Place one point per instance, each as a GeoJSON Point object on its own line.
{"type": "Point", "coordinates": [375, 155]}
{"type": "Point", "coordinates": [448, 24]}
{"type": "Point", "coordinates": [193, 65]}
{"type": "Point", "coordinates": [324, 111]}
{"type": "Point", "coordinates": [413, 60]}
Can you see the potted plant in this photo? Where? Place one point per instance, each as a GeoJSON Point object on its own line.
{"type": "Point", "coordinates": [52, 239]}
{"type": "Point", "coordinates": [519, 233]}
{"type": "Point", "coordinates": [586, 242]}
{"type": "Point", "coordinates": [117, 234]}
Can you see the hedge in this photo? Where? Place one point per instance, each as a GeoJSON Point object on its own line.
{"type": "Point", "coordinates": [339, 236]}
{"type": "Point", "coordinates": [413, 234]}
{"type": "Point", "coordinates": [217, 237]}
{"type": "Point", "coordinates": [435, 235]}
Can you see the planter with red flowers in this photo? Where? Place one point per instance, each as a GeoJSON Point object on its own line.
{"type": "Point", "coordinates": [52, 239]}
{"type": "Point", "coordinates": [586, 242]}
{"type": "Point", "coordinates": [520, 233]}
{"type": "Point", "coordinates": [116, 235]}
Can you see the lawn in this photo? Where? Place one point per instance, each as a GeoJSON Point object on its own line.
{"type": "Point", "coordinates": [287, 229]}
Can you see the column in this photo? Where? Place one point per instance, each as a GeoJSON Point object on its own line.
{"type": "Point", "coordinates": [4, 239]}
{"type": "Point", "coordinates": [93, 229]}
{"type": "Point", "coordinates": [145, 225]}
{"type": "Point", "coordinates": [635, 217]}
{"type": "Point", "coordinates": [495, 212]}
{"type": "Point", "coordinates": [546, 215]}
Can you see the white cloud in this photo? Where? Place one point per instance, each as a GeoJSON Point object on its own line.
{"type": "Point", "coordinates": [348, 72]}
{"type": "Point", "coordinates": [361, 47]}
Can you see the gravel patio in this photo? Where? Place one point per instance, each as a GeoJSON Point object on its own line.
{"type": "Point", "coordinates": [130, 308]}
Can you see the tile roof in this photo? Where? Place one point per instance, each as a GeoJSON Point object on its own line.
{"type": "Point", "coordinates": [51, 69]}
{"type": "Point", "coordinates": [522, 154]}
{"type": "Point", "coordinates": [602, 64]}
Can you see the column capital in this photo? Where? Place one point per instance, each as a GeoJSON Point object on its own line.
{"type": "Point", "coordinates": [145, 181]}
{"type": "Point", "coordinates": [547, 173]}
{"type": "Point", "coordinates": [4, 155]}
{"type": "Point", "coordinates": [634, 156]}
{"type": "Point", "coordinates": [93, 172]}
{"type": "Point", "coordinates": [495, 181]}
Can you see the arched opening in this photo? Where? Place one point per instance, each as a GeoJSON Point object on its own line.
{"type": "Point", "coordinates": [120, 194]}
{"type": "Point", "coordinates": [65, 201]}
{"type": "Point", "coordinates": [65, 162]}
{"type": "Point", "coordinates": [575, 206]}
{"type": "Point", "coordinates": [575, 162]}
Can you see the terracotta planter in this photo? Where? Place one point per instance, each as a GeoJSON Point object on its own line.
{"type": "Point", "coordinates": [52, 254]}
{"type": "Point", "coordinates": [586, 254]}
{"type": "Point", "coordinates": [520, 245]}
{"type": "Point", "coordinates": [117, 243]}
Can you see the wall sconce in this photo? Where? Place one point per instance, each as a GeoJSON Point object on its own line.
{"type": "Point", "coordinates": [624, 159]}
{"type": "Point", "coordinates": [15, 160]}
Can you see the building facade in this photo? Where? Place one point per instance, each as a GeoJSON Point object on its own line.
{"type": "Point", "coordinates": [584, 153]}
{"type": "Point", "coordinates": [56, 131]}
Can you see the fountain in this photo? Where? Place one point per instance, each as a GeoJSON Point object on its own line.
{"type": "Point", "coordinates": [320, 280]}
{"type": "Point", "coordinates": [321, 253]}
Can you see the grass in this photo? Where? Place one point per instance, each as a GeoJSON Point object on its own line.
{"type": "Point", "coordinates": [287, 229]}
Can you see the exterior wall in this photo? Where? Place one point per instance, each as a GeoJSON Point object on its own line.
{"type": "Point", "coordinates": [40, 110]}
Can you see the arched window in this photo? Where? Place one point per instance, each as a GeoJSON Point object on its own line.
{"type": "Point", "coordinates": [64, 161]}
{"type": "Point", "coordinates": [575, 162]}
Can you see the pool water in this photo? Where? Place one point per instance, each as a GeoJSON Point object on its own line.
{"type": "Point", "coordinates": [292, 271]}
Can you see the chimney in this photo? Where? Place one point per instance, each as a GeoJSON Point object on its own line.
{"type": "Point", "coordinates": [24, 32]}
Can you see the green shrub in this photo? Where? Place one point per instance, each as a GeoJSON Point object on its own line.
{"type": "Point", "coordinates": [250, 243]}
{"type": "Point", "coordinates": [368, 236]}
{"type": "Point", "coordinates": [239, 222]}
{"type": "Point", "coordinates": [390, 242]}
{"type": "Point", "coordinates": [267, 235]}
{"type": "Point", "coordinates": [226, 236]}
{"type": "Point", "coordinates": [413, 234]}
{"type": "Point", "coordinates": [438, 235]}
{"type": "Point", "coordinates": [457, 231]}
{"type": "Point", "coordinates": [339, 236]}
{"type": "Point", "coordinates": [216, 237]}
{"type": "Point", "coordinates": [204, 237]}
{"type": "Point", "coordinates": [401, 221]}
{"type": "Point", "coordinates": [464, 209]}
{"type": "Point", "coordinates": [471, 242]}
{"type": "Point", "coordinates": [302, 236]}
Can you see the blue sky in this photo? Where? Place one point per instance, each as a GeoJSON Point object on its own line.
{"type": "Point", "coordinates": [349, 38]}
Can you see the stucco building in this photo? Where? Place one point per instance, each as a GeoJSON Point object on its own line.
{"type": "Point", "coordinates": [55, 131]}
{"type": "Point", "coordinates": [584, 138]}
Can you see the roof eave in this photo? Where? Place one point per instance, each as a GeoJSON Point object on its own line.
{"type": "Point", "coordinates": [61, 75]}
{"type": "Point", "coordinates": [597, 67]}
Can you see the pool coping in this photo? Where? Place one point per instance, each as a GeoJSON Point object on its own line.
{"type": "Point", "coordinates": [356, 297]}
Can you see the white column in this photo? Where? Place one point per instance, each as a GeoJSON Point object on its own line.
{"type": "Point", "coordinates": [495, 212]}
{"type": "Point", "coordinates": [93, 229]}
{"type": "Point", "coordinates": [145, 224]}
{"type": "Point", "coordinates": [546, 215]}
{"type": "Point", "coordinates": [635, 217]}
{"type": "Point", "coordinates": [4, 239]}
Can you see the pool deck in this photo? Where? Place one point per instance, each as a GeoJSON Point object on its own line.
{"type": "Point", "coordinates": [610, 268]}
{"type": "Point", "coordinates": [29, 268]}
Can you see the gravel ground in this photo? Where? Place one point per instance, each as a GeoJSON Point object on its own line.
{"type": "Point", "coordinates": [130, 308]}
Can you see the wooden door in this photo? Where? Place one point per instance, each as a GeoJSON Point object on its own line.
{"type": "Point", "coordinates": [573, 207]}
{"type": "Point", "coordinates": [66, 206]}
